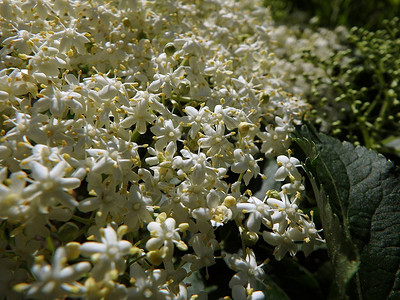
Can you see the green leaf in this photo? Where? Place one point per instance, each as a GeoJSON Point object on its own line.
{"type": "Point", "coordinates": [68, 232]}
{"type": "Point", "coordinates": [342, 252]}
{"type": "Point", "coordinates": [270, 183]}
{"type": "Point", "coordinates": [272, 291]}
{"type": "Point", "coordinates": [288, 278]}
{"type": "Point", "coordinates": [195, 282]}
{"type": "Point", "coordinates": [358, 194]}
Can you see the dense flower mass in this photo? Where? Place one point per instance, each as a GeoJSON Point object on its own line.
{"type": "Point", "coordinates": [132, 130]}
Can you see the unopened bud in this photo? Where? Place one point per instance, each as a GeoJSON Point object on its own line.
{"type": "Point", "coordinates": [122, 230]}
{"type": "Point", "coordinates": [161, 217]}
{"type": "Point", "coordinates": [244, 128]}
{"type": "Point", "coordinates": [183, 227]}
{"type": "Point", "coordinates": [182, 246]}
{"type": "Point", "coordinates": [73, 250]}
{"type": "Point", "coordinates": [169, 49]}
{"type": "Point", "coordinates": [229, 201]}
{"type": "Point", "coordinates": [154, 257]}
{"type": "Point", "coordinates": [183, 88]}
{"type": "Point", "coordinates": [249, 238]}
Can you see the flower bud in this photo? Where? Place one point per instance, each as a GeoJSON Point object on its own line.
{"type": "Point", "coordinates": [183, 227]}
{"type": "Point", "coordinates": [229, 201]}
{"type": "Point", "coordinates": [169, 49]}
{"type": "Point", "coordinates": [244, 128]}
{"type": "Point", "coordinates": [249, 238]}
{"type": "Point", "coordinates": [154, 257]}
{"type": "Point", "coordinates": [183, 88]}
{"type": "Point", "coordinates": [73, 250]}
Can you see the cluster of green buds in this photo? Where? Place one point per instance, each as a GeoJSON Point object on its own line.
{"type": "Point", "coordinates": [358, 100]}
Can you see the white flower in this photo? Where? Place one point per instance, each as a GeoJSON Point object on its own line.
{"type": "Point", "coordinates": [57, 101]}
{"type": "Point", "coordinates": [139, 208]}
{"type": "Point", "coordinates": [13, 85]}
{"type": "Point", "coordinates": [219, 70]}
{"type": "Point", "coordinates": [165, 132]}
{"type": "Point", "coordinates": [204, 252]}
{"type": "Point", "coordinates": [195, 118]}
{"type": "Point", "coordinates": [117, 159]}
{"type": "Point", "coordinates": [230, 116]}
{"type": "Point", "coordinates": [167, 80]}
{"type": "Point", "coordinates": [152, 184]}
{"type": "Point", "coordinates": [81, 82]}
{"type": "Point", "coordinates": [215, 212]}
{"type": "Point", "coordinates": [103, 199]}
{"type": "Point", "coordinates": [293, 187]}
{"type": "Point", "coordinates": [247, 268]}
{"type": "Point", "coordinates": [193, 191]}
{"type": "Point", "coordinates": [273, 142]}
{"type": "Point", "coordinates": [246, 88]}
{"type": "Point", "coordinates": [27, 125]}
{"type": "Point", "coordinates": [284, 242]}
{"type": "Point", "coordinates": [58, 132]}
{"type": "Point", "coordinates": [285, 211]}
{"type": "Point", "coordinates": [69, 37]}
{"type": "Point", "coordinates": [310, 236]}
{"type": "Point", "coordinates": [287, 167]}
{"type": "Point", "coordinates": [139, 112]}
{"type": "Point", "coordinates": [215, 140]}
{"type": "Point", "coordinates": [196, 164]}
{"type": "Point", "coordinates": [259, 212]}
{"type": "Point", "coordinates": [164, 234]}
{"type": "Point", "coordinates": [110, 54]}
{"type": "Point", "coordinates": [283, 125]}
{"type": "Point", "coordinates": [57, 279]}
{"type": "Point", "coordinates": [46, 62]}
{"type": "Point", "coordinates": [241, 293]}
{"type": "Point", "coordinates": [14, 201]}
{"type": "Point", "coordinates": [43, 154]}
{"type": "Point", "coordinates": [149, 284]}
{"type": "Point", "coordinates": [107, 256]}
{"type": "Point", "coordinates": [245, 163]}
{"type": "Point", "coordinates": [21, 41]}
{"type": "Point", "coordinates": [49, 183]}
{"type": "Point", "coordinates": [162, 162]}
{"type": "Point", "coordinates": [248, 273]}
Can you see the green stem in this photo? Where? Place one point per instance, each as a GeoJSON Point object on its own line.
{"type": "Point", "coordinates": [382, 84]}
{"type": "Point", "coordinates": [50, 244]}
{"type": "Point", "coordinates": [87, 222]}
{"type": "Point", "coordinates": [132, 261]}
{"type": "Point", "coordinates": [135, 135]}
{"type": "Point", "coordinates": [81, 220]}
{"type": "Point", "coordinates": [240, 177]}
{"type": "Point", "coordinates": [366, 137]}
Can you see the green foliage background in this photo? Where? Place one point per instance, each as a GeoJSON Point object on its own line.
{"type": "Point", "coordinates": [356, 194]}
{"type": "Point", "coordinates": [361, 102]}
{"type": "Point", "coordinates": [368, 14]}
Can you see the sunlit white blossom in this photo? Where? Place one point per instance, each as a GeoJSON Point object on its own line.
{"type": "Point", "coordinates": [132, 133]}
{"type": "Point", "coordinates": [108, 255]}
{"type": "Point", "coordinates": [57, 279]}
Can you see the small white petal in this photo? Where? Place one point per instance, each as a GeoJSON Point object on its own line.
{"type": "Point", "coordinates": [59, 170]}
{"type": "Point", "coordinates": [90, 248]}
{"type": "Point", "coordinates": [281, 174]}
{"type": "Point", "coordinates": [124, 246]}
{"type": "Point", "coordinates": [39, 171]}
{"type": "Point", "coordinates": [154, 244]}
{"type": "Point", "coordinates": [110, 236]}
{"type": "Point", "coordinates": [272, 238]}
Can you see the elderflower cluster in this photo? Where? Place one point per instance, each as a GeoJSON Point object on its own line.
{"type": "Point", "coordinates": [306, 60]}
{"type": "Point", "coordinates": [130, 132]}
